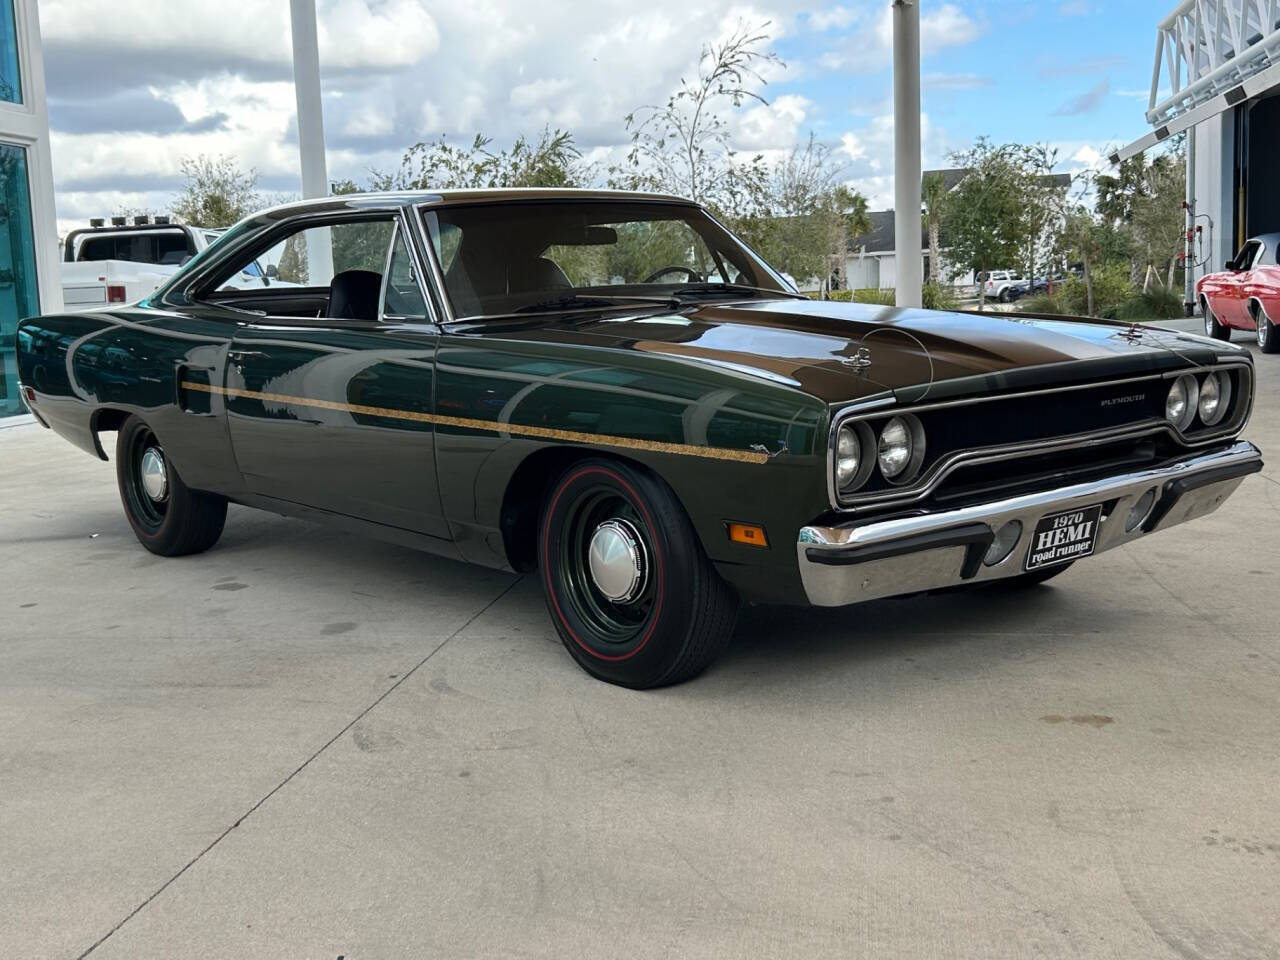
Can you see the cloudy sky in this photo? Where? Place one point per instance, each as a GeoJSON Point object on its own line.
{"type": "Point", "coordinates": [135, 85]}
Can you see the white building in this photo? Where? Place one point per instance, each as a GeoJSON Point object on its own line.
{"type": "Point", "coordinates": [873, 261]}
{"type": "Point", "coordinates": [28, 231]}
{"type": "Point", "coordinates": [1216, 76]}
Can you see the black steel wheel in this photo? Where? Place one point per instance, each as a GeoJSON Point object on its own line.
{"type": "Point", "coordinates": [1212, 328]}
{"type": "Point", "coordinates": [630, 591]}
{"type": "Point", "coordinates": [167, 516]}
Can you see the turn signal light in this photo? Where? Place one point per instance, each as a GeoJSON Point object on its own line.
{"type": "Point", "coordinates": [748, 533]}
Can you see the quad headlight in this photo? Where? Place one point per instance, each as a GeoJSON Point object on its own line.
{"type": "Point", "coordinates": [848, 456]}
{"type": "Point", "coordinates": [1180, 406]}
{"type": "Point", "coordinates": [852, 456]}
{"type": "Point", "coordinates": [900, 450]}
{"type": "Point", "coordinates": [1215, 397]}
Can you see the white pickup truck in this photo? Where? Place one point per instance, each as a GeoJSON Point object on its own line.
{"type": "Point", "coordinates": [121, 262]}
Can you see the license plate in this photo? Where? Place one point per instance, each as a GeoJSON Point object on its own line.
{"type": "Point", "coordinates": [1060, 537]}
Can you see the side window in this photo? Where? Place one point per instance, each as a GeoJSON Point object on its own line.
{"type": "Point", "coordinates": [311, 258]}
{"type": "Point", "coordinates": [403, 297]}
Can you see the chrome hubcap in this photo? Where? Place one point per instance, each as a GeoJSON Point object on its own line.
{"type": "Point", "coordinates": [617, 561]}
{"type": "Point", "coordinates": [1264, 329]}
{"type": "Point", "coordinates": [154, 475]}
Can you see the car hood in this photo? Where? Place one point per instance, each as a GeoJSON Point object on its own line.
{"type": "Point", "coordinates": [840, 352]}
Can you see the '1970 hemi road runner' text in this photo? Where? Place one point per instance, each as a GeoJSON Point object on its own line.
{"type": "Point", "coordinates": [610, 389]}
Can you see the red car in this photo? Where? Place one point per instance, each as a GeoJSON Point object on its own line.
{"type": "Point", "coordinates": [1246, 295]}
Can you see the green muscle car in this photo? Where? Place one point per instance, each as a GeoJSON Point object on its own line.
{"type": "Point", "coordinates": [613, 391]}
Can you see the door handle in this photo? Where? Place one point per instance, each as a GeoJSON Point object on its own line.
{"type": "Point", "coordinates": [237, 357]}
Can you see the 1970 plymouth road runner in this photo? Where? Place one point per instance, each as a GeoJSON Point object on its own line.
{"type": "Point", "coordinates": [612, 390]}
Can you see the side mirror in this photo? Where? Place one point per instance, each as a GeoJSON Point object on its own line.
{"type": "Point", "coordinates": [272, 271]}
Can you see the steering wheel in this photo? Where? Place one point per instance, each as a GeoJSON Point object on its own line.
{"type": "Point", "coordinates": [693, 275]}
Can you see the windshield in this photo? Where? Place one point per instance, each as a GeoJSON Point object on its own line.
{"type": "Point", "coordinates": [503, 258]}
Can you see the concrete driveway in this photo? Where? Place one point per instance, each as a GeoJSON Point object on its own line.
{"type": "Point", "coordinates": [307, 745]}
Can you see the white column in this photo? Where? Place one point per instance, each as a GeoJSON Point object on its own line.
{"type": "Point", "coordinates": [906, 151]}
{"type": "Point", "coordinates": [306, 82]}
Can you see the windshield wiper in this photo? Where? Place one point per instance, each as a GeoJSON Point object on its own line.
{"type": "Point", "coordinates": [588, 301]}
{"type": "Point", "coordinates": [733, 289]}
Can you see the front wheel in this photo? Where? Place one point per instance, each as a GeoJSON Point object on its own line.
{"type": "Point", "coordinates": [1212, 327]}
{"type": "Point", "coordinates": [167, 516]}
{"type": "Point", "coordinates": [630, 591]}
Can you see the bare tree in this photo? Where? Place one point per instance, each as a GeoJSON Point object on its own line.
{"type": "Point", "coordinates": [683, 145]}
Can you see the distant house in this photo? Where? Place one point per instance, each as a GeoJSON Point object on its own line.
{"type": "Point", "coordinates": [873, 261]}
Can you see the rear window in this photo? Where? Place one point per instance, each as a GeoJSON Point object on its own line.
{"type": "Point", "coordinates": [171, 248]}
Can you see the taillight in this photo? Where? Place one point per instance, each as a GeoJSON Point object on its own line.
{"type": "Point", "coordinates": [115, 293]}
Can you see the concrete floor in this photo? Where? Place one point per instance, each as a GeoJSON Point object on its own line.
{"type": "Point", "coordinates": [307, 745]}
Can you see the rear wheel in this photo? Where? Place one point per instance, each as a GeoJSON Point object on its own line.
{"type": "Point", "coordinates": [1267, 340]}
{"type": "Point", "coordinates": [167, 516]}
{"type": "Point", "coordinates": [1212, 327]}
{"type": "Point", "coordinates": [634, 599]}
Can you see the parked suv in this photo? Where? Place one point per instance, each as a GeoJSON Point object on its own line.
{"type": "Point", "coordinates": [1000, 284]}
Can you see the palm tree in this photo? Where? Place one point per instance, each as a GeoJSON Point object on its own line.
{"type": "Point", "coordinates": [933, 192]}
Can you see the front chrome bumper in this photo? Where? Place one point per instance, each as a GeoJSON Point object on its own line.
{"type": "Point", "coordinates": [857, 562]}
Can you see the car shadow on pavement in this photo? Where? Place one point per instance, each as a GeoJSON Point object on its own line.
{"type": "Point", "coordinates": [986, 623]}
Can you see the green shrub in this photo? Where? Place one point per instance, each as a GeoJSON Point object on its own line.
{"type": "Point", "coordinates": [884, 298]}
{"type": "Point", "coordinates": [1041, 303]}
{"type": "Point", "coordinates": [1111, 288]}
{"type": "Point", "coordinates": [1159, 303]}
{"type": "Point", "coordinates": [938, 297]}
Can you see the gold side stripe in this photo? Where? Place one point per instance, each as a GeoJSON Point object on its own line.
{"type": "Point", "coordinates": [467, 423]}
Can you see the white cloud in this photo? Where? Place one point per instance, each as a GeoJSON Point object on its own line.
{"type": "Point", "coordinates": [832, 18]}
{"type": "Point", "coordinates": [352, 33]}
{"type": "Point", "coordinates": [868, 47]}
{"type": "Point", "coordinates": [772, 125]}
{"type": "Point", "coordinates": [869, 152]}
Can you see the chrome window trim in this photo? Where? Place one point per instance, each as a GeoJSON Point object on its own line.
{"type": "Point", "coordinates": [420, 211]}
{"type": "Point", "coordinates": [403, 229]}
{"type": "Point", "coordinates": [285, 228]}
{"type": "Point", "coordinates": [929, 481]}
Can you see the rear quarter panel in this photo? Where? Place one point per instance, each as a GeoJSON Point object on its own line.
{"type": "Point", "coordinates": [83, 366]}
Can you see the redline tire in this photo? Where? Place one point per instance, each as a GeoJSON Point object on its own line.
{"type": "Point", "coordinates": [180, 522]}
{"type": "Point", "coordinates": [682, 614]}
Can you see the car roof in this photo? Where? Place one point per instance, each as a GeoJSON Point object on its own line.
{"type": "Point", "coordinates": [1270, 240]}
{"type": "Point", "coordinates": [406, 198]}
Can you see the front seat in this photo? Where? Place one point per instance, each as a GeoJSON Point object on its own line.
{"type": "Point", "coordinates": [536, 274]}
{"type": "Point", "coordinates": [353, 295]}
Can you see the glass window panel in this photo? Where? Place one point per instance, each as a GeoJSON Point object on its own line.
{"type": "Point", "coordinates": [10, 76]}
{"type": "Point", "coordinates": [403, 295]}
{"type": "Point", "coordinates": [18, 289]}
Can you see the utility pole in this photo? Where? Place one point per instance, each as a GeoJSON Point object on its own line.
{"type": "Point", "coordinates": [906, 152]}
{"type": "Point", "coordinates": [306, 83]}
{"type": "Point", "coordinates": [1189, 262]}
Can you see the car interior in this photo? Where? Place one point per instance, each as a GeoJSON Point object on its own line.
{"type": "Point", "coordinates": [353, 293]}
{"type": "Point", "coordinates": [497, 260]}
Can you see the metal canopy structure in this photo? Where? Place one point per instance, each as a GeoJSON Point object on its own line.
{"type": "Point", "coordinates": [1211, 54]}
